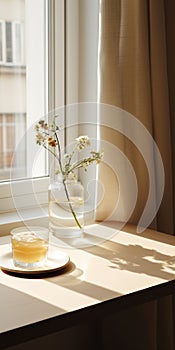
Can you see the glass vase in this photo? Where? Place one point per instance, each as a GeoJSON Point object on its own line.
{"type": "Point", "coordinates": [66, 208]}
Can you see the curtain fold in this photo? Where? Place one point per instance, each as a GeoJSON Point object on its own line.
{"type": "Point", "coordinates": [133, 74]}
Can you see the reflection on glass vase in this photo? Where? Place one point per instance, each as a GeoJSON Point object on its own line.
{"type": "Point", "coordinates": [66, 208]}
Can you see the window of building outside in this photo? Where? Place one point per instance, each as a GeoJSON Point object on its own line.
{"type": "Point", "coordinates": [11, 44]}
{"type": "Point", "coordinates": [12, 128]}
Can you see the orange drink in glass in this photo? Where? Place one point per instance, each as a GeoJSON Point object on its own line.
{"type": "Point", "coordinates": [29, 246]}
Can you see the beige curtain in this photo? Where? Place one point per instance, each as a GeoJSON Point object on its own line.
{"type": "Point", "coordinates": [133, 70]}
{"type": "Point", "coordinates": [135, 59]}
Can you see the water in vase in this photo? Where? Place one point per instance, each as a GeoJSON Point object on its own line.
{"type": "Point", "coordinates": [66, 218]}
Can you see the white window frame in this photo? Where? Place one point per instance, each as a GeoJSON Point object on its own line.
{"type": "Point", "coordinates": [61, 86]}
{"type": "Point", "coordinates": [29, 193]}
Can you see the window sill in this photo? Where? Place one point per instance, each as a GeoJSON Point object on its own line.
{"type": "Point", "coordinates": [12, 69]}
{"type": "Point", "coordinates": [32, 216]}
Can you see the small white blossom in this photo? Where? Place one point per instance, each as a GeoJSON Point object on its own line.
{"type": "Point", "coordinates": [82, 142]}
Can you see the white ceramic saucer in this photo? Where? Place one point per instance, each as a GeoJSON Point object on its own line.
{"type": "Point", "coordinates": [56, 260]}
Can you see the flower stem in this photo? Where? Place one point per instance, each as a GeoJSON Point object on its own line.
{"type": "Point", "coordinates": [80, 163]}
{"type": "Point", "coordinates": [65, 187]}
{"type": "Point", "coordinates": [59, 153]}
{"type": "Point", "coordinates": [70, 205]}
{"type": "Point", "coordinates": [49, 150]}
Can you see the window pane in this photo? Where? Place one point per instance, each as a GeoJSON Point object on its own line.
{"type": "Point", "coordinates": [9, 53]}
{"type": "Point", "coordinates": [22, 86]}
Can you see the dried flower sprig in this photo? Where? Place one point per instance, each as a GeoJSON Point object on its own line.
{"type": "Point", "coordinates": [47, 136]}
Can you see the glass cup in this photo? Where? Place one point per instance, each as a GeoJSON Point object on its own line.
{"type": "Point", "coordinates": [29, 246]}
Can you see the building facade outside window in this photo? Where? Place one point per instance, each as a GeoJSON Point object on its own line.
{"type": "Point", "coordinates": [22, 84]}
{"type": "Point", "coordinates": [12, 89]}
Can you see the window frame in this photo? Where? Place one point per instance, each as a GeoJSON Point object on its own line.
{"type": "Point", "coordinates": [61, 85]}
{"type": "Point", "coordinates": [26, 190]}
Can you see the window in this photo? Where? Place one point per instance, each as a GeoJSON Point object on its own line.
{"type": "Point", "coordinates": [12, 127]}
{"type": "Point", "coordinates": [66, 75]}
{"type": "Point", "coordinates": [23, 85]}
{"type": "Point", "coordinates": [8, 42]}
{"type": "Point", "coordinates": [11, 45]}
{"type": "Point", "coordinates": [23, 100]}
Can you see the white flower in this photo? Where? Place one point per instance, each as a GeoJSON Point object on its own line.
{"type": "Point", "coordinates": [82, 142]}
